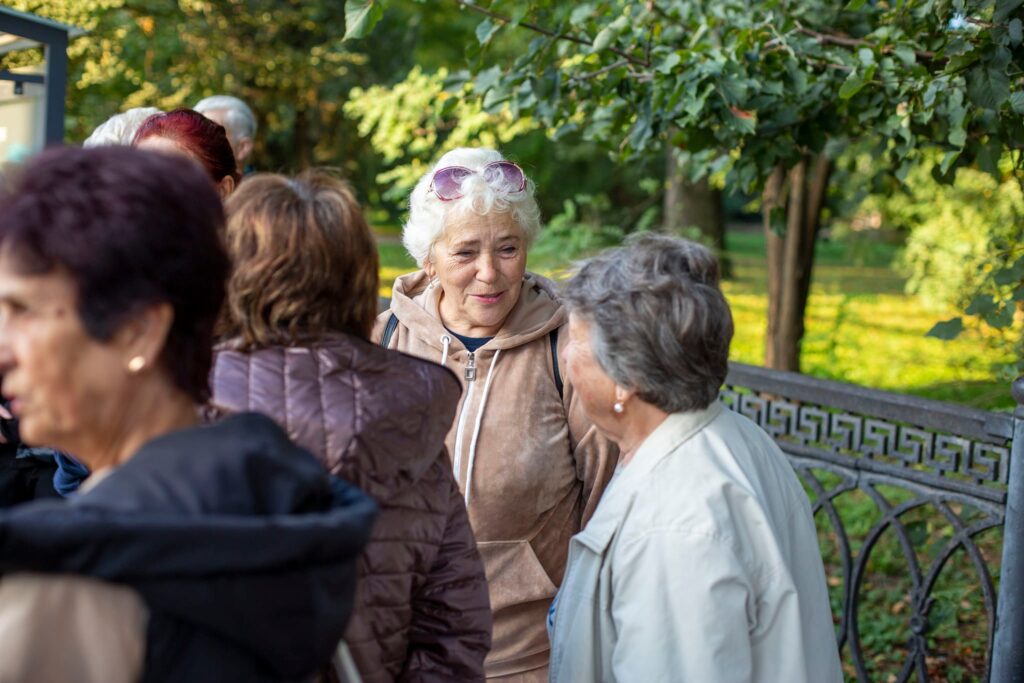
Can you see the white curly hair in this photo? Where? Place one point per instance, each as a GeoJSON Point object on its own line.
{"type": "Point", "coordinates": [429, 216]}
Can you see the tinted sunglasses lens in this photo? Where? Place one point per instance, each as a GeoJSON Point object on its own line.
{"type": "Point", "coordinates": [448, 182]}
{"type": "Point", "coordinates": [504, 175]}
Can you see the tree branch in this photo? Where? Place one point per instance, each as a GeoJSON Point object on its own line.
{"type": "Point", "coordinates": [600, 72]}
{"type": "Point", "coordinates": [847, 41]}
{"type": "Point", "coordinates": [548, 32]}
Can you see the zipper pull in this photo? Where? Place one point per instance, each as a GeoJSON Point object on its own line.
{"type": "Point", "coordinates": [471, 368]}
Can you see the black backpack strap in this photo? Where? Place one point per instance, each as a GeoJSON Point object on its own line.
{"type": "Point", "coordinates": [553, 337]}
{"type": "Point", "coordinates": [389, 330]}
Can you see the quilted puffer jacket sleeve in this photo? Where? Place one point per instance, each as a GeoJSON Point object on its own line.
{"type": "Point", "coordinates": [450, 634]}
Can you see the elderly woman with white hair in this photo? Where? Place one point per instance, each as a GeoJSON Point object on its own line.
{"type": "Point", "coordinates": [528, 461]}
{"type": "Point", "coordinates": [701, 562]}
{"type": "Point", "coordinates": [120, 128]}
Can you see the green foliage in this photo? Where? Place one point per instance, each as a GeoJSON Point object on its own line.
{"type": "Point", "coordinates": [960, 233]}
{"type": "Point", "coordinates": [964, 252]}
{"type": "Point", "coordinates": [417, 120]}
{"type": "Point", "coordinates": [286, 59]}
{"type": "Point", "coordinates": [768, 83]}
{"type": "Point", "coordinates": [772, 80]}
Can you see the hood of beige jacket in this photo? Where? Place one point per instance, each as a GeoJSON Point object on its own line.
{"type": "Point", "coordinates": [415, 298]}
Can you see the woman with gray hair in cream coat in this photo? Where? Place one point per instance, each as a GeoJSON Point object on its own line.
{"type": "Point", "coordinates": [701, 562]}
{"type": "Point", "coordinates": [529, 463]}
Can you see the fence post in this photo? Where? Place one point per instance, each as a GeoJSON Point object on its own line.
{"type": "Point", "coordinates": [1008, 645]}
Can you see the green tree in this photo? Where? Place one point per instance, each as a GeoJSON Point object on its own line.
{"type": "Point", "coordinates": [287, 59]}
{"type": "Point", "coordinates": [772, 90]}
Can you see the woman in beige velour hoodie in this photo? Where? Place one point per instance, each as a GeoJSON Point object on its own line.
{"type": "Point", "coordinates": [528, 461]}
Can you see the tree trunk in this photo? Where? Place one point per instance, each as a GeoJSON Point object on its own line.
{"type": "Point", "coordinates": [799, 193]}
{"type": "Point", "coordinates": [693, 205]}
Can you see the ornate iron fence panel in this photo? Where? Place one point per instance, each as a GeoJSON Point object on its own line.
{"type": "Point", "coordinates": [918, 513]}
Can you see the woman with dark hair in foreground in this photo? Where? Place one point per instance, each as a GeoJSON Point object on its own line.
{"type": "Point", "coordinates": [301, 303]}
{"type": "Point", "coordinates": [194, 553]}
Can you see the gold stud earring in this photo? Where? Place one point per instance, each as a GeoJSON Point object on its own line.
{"type": "Point", "coordinates": [136, 364]}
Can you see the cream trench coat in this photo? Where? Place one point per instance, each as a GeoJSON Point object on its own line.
{"type": "Point", "coordinates": [701, 564]}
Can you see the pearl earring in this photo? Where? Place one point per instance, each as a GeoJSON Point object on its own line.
{"type": "Point", "coordinates": [136, 364]}
{"type": "Point", "coordinates": [618, 407]}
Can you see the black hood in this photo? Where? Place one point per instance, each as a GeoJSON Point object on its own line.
{"type": "Point", "coordinates": [229, 529]}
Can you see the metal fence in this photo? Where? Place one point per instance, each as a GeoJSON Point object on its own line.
{"type": "Point", "coordinates": [920, 520]}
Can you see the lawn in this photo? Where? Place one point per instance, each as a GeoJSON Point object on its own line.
{"type": "Point", "coordinates": [861, 325]}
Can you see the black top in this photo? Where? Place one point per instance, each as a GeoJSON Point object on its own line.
{"type": "Point", "coordinates": [471, 343]}
{"type": "Point", "coordinates": [243, 548]}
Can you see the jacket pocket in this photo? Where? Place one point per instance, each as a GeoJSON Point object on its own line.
{"type": "Point", "coordinates": [515, 574]}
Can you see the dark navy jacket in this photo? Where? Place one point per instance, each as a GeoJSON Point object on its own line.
{"type": "Point", "coordinates": [241, 546]}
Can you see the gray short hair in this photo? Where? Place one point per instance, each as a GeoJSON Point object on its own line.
{"type": "Point", "coordinates": [429, 216]}
{"type": "Point", "coordinates": [120, 129]}
{"type": "Point", "coordinates": [659, 323]}
{"type": "Point", "coordinates": [239, 117]}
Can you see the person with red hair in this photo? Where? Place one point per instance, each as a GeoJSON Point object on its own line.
{"type": "Point", "coordinates": [191, 134]}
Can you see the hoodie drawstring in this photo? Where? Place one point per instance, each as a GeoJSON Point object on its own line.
{"type": "Point", "coordinates": [476, 428]}
{"type": "Point", "coordinates": [446, 341]}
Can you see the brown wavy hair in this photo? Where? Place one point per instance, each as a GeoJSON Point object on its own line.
{"type": "Point", "coordinates": [304, 261]}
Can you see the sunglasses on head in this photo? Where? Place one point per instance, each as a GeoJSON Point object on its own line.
{"type": "Point", "coordinates": [500, 175]}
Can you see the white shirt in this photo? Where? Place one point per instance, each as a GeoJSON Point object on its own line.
{"type": "Point", "coordinates": [700, 564]}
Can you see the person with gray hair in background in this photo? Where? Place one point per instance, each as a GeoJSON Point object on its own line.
{"type": "Point", "coordinates": [120, 129]}
{"type": "Point", "coordinates": [701, 562]}
{"type": "Point", "coordinates": [238, 120]}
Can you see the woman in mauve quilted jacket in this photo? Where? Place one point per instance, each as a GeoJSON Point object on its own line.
{"type": "Point", "coordinates": [301, 304]}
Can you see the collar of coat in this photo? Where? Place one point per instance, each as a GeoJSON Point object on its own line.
{"type": "Point", "coordinates": [660, 444]}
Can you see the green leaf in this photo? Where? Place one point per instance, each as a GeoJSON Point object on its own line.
{"type": "Point", "coordinates": [485, 80]}
{"type": "Point", "coordinates": [854, 5]}
{"type": "Point", "coordinates": [494, 100]}
{"type": "Point", "coordinates": [1017, 102]}
{"type": "Point", "coordinates": [485, 30]}
{"type": "Point", "coordinates": [455, 81]}
{"type": "Point", "coordinates": [957, 137]}
{"type": "Point", "coordinates": [1004, 8]}
{"type": "Point", "coordinates": [669, 63]}
{"type": "Point", "coordinates": [361, 17]}
{"type": "Point", "coordinates": [734, 90]}
{"type": "Point", "coordinates": [988, 158]}
{"type": "Point", "coordinates": [866, 56]}
{"type": "Point", "coordinates": [982, 304]}
{"type": "Point", "coordinates": [948, 161]}
{"type": "Point", "coordinates": [1014, 30]}
{"type": "Point", "coordinates": [906, 55]}
{"type": "Point", "coordinates": [604, 39]}
{"type": "Point", "coordinates": [581, 13]}
{"type": "Point", "coordinates": [1002, 318]}
{"type": "Point", "coordinates": [947, 329]}
{"type": "Point", "coordinates": [989, 86]}
{"type": "Point", "coordinates": [855, 82]}
{"type": "Point", "coordinates": [1012, 275]}
{"type": "Point", "coordinates": [642, 128]}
